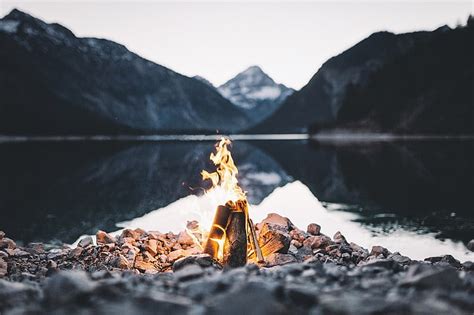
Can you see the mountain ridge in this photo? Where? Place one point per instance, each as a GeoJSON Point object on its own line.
{"type": "Point", "coordinates": [56, 83]}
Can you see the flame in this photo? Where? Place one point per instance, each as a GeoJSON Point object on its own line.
{"type": "Point", "coordinates": [224, 180]}
{"type": "Point", "coordinates": [225, 188]}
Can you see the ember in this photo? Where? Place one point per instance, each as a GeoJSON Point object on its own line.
{"type": "Point", "coordinates": [232, 236]}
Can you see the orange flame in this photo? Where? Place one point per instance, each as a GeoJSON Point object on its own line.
{"type": "Point", "coordinates": [225, 177]}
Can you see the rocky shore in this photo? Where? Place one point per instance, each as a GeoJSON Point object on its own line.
{"type": "Point", "coordinates": [307, 272]}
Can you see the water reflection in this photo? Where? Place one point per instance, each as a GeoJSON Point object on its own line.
{"type": "Point", "coordinates": [62, 190]}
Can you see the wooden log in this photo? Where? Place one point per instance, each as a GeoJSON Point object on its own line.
{"type": "Point", "coordinates": [217, 231]}
{"type": "Point", "coordinates": [235, 246]}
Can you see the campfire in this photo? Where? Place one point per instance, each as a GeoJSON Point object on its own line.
{"type": "Point", "coordinates": [231, 239]}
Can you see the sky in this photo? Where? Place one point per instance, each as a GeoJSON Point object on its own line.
{"type": "Point", "coordinates": [290, 40]}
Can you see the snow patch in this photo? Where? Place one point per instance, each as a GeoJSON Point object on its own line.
{"type": "Point", "coordinates": [9, 26]}
{"type": "Point", "coordinates": [265, 178]}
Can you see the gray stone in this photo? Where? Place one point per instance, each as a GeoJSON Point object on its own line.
{"type": "Point", "coordinates": [248, 298]}
{"type": "Point", "coordinates": [86, 241]}
{"type": "Point", "coordinates": [64, 286]}
{"type": "Point", "coordinates": [426, 276]}
{"type": "Point", "coordinates": [448, 259]}
{"type": "Point", "coordinates": [470, 245]}
{"type": "Point", "coordinates": [188, 272]}
{"type": "Point", "coordinates": [277, 259]}
{"type": "Point", "coordinates": [203, 260]}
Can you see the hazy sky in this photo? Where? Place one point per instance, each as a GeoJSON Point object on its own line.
{"type": "Point", "coordinates": [289, 40]}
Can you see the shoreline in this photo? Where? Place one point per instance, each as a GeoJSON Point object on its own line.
{"type": "Point", "coordinates": [309, 273]}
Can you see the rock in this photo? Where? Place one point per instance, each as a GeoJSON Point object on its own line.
{"type": "Point", "coordinates": [202, 260]}
{"type": "Point", "coordinates": [36, 248]}
{"type": "Point", "coordinates": [277, 259]}
{"type": "Point", "coordinates": [86, 241]}
{"type": "Point", "coordinates": [426, 276]}
{"type": "Point", "coordinates": [15, 294]}
{"type": "Point", "coordinates": [76, 252]}
{"type": "Point", "coordinates": [379, 250]}
{"type": "Point", "coordinates": [188, 272]}
{"type": "Point", "coordinates": [313, 229]}
{"type": "Point", "coordinates": [134, 234]}
{"type": "Point", "coordinates": [301, 295]}
{"type": "Point", "coordinates": [174, 255]}
{"type": "Point", "coordinates": [7, 243]}
{"type": "Point", "coordinates": [143, 265]}
{"type": "Point", "coordinates": [104, 238]}
{"type": "Point", "coordinates": [274, 218]}
{"type": "Point", "coordinates": [448, 259]}
{"type": "Point", "coordinates": [3, 268]}
{"type": "Point", "coordinates": [468, 266]}
{"type": "Point", "coordinates": [319, 241]}
{"type": "Point", "coordinates": [248, 298]}
{"type": "Point", "coordinates": [399, 258]}
{"type": "Point", "coordinates": [470, 245]}
{"type": "Point", "coordinates": [339, 238]}
{"type": "Point", "coordinates": [63, 286]}
{"type": "Point", "coordinates": [122, 262]}
{"type": "Point", "coordinates": [51, 265]}
{"type": "Point", "coordinates": [2, 235]}
{"type": "Point", "coordinates": [152, 246]}
{"type": "Point", "coordinates": [185, 239]}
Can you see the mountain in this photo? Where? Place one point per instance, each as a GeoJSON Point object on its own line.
{"type": "Point", "coordinates": [329, 97]}
{"type": "Point", "coordinates": [53, 82]}
{"type": "Point", "coordinates": [429, 90]}
{"type": "Point", "coordinates": [253, 91]}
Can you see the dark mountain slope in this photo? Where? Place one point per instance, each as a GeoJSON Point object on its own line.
{"type": "Point", "coordinates": [53, 82]}
{"type": "Point", "coordinates": [428, 90]}
{"type": "Point", "coordinates": [321, 99]}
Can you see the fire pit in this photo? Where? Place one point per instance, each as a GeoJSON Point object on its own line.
{"type": "Point", "coordinates": [232, 237]}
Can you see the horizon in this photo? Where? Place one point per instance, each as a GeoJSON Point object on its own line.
{"type": "Point", "coordinates": [287, 53]}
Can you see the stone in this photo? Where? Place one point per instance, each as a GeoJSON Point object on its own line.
{"type": "Point", "coordinates": [248, 298]}
{"type": "Point", "coordinates": [468, 266]}
{"type": "Point", "coordinates": [319, 241]}
{"type": "Point", "coordinates": [14, 294]}
{"type": "Point", "coordinates": [174, 255]}
{"type": "Point", "coordinates": [379, 250]}
{"type": "Point", "coordinates": [3, 268]}
{"type": "Point", "coordinates": [400, 258]}
{"type": "Point", "coordinates": [470, 245]}
{"type": "Point", "coordinates": [104, 238]}
{"type": "Point", "coordinates": [7, 243]}
{"type": "Point", "coordinates": [36, 248]}
{"type": "Point", "coordinates": [133, 234]}
{"type": "Point", "coordinates": [313, 229]}
{"type": "Point", "coordinates": [151, 246]}
{"type": "Point", "coordinates": [202, 260]}
{"type": "Point", "coordinates": [188, 272]}
{"type": "Point", "coordinates": [86, 241]}
{"type": "Point", "coordinates": [277, 259]}
{"type": "Point", "coordinates": [2, 235]}
{"type": "Point", "coordinates": [122, 262]}
{"type": "Point", "coordinates": [185, 239]}
{"type": "Point", "coordinates": [274, 218]}
{"type": "Point", "coordinates": [448, 259]}
{"type": "Point", "coordinates": [427, 276]}
{"type": "Point", "coordinates": [143, 265]}
{"type": "Point", "coordinates": [64, 286]}
{"type": "Point", "coordinates": [339, 238]}
{"type": "Point", "coordinates": [76, 252]}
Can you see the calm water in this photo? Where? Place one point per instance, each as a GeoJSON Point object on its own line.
{"type": "Point", "coordinates": [411, 194]}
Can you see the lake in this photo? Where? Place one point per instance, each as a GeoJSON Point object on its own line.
{"type": "Point", "coordinates": [409, 196]}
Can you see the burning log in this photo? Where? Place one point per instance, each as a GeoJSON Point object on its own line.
{"type": "Point", "coordinates": [217, 233]}
{"type": "Point", "coordinates": [227, 240]}
{"type": "Point", "coordinates": [235, 246]}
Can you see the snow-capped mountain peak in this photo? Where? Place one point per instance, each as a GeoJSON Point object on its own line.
{"type": "Point", "coordinates": [253, 87]}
